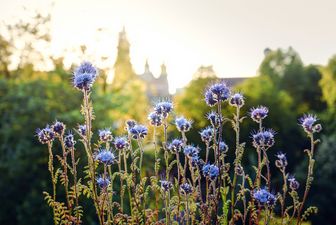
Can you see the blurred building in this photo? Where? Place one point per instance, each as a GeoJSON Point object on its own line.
{"type": "Point", "coordinates": [124, 73]}
{"type": "Point", "coordinates": [156, 86]}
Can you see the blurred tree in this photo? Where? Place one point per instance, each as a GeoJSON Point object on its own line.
{"type": "Point", "coordinates": [328, 83]}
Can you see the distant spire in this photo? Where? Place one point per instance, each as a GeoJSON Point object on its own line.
{"type": "Point", "coordinates": [147, 66]}
{"type": "Point", "coordinates": [163, 69]}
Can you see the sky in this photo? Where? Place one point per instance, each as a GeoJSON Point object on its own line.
{"type": "Point", "coordinates": [185, 34]}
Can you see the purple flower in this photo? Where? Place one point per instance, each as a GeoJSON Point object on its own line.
{"type": "Point", "coordinates": [214, 118]}
{"type": "Point", "coordinates": [82, 129]}
{"type": "Point", "coordinates": [182, 124]}
{"type": "Point", "coordinates": [308, 121]}
{"type": "Point", "coordinates": [237, 100]}
{"type": "Point", "coordinates": [166, 185]}
{"type": "Point", "coordinates": [58, 128]}
{"type": "Point", "coordinates": [223, 147]}
{"type": "Point", "coordinates": [211, 171]}
{"type": "Point", "coordinates": [105, 135]}
{"type": "Point", "coordinates": [84, 76]}
{"type": "Point", "coordinates": [121, 143]}
{"type": "Point", "coordinates": [190, 151]}
{"type": "Point", "coordinates": [107, 157]}
{"type": "Point", "coordinates": [206, 134]}
{"type": "Point", "coordinates": [259, 113]}
{"type": "Point", "coordinates": [45, 135]}
{"type": "Point", "coordinates": [293, 183]}
{"type": "Point", "coordinates": [130, 124]}
{"type": "Point", "coordinates": [263, 138]}
{"type": "Point", "coordinates": [103, 182]}
{"type": "Point", "coordinates": [164, 108]}
{"type": "Point", "coordinates": [218, 92]}
{"type": "Point", "coordinates": [281, 162]}
{"type": "Point", "coordinates": [138, 132]}
{"type": "Point", "coordinates": [175, 145]}
{"type": "Point", "coordinates": [186, 188]}
{"type": "Point", "coordinates": [263, 196]}
{"type": "Point", "coordinates": [69, 141]}
{"type": "Point", "coordinates": [155, 119]}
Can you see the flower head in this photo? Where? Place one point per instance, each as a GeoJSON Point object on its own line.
{"type": "Point", "coordinates": [58, 128]}
{"type": "Point", "coordinates": [281, 161]}
{"type": "Point", "coordinates": [175, 145]}
{"type": "Point", "coordinates": [223, 147]}
{"type": "Point", "coordinates": [211, 171]}
{"type": "Point", "coordinates": [155, 119]}
{"type": "Point", "coordinates": [206, 134]}
{"type": "Point", "coordinates": [130, 124]}
{"type": "Point", "coordinates": [186, 188]}
{"type": "Point", "coordinates": [82, 129]}
{"type": "Point", "coordinates": [45, 135]}
{"type": "Point", "coordinates": [264, 138]}
{"type": "Point", "coordinates": [69, 141]}
{"type": "Point", "coordinates": [190, 151]}
{"type": "Point", "coordinates": [293, 183]}
{"type": "Point", "coordinates": [214, 118]}
{"type": "Point", "coordinates": [182, 124]}
{"type": "Point", "coordinates": [105, 156]}
{"type": "Point", "coordinates": [84, 76]}
{"type": "Point", "coordinates": [237, 100]}
{"type": "Point", "coordinates": [164, 108]}
{"type": "Point", "coordinates": [259, 113]}
{"type": "Point", "coordinates": [121, 143]}
{"type": "Point", "coordinates": [138, 132]}
{"type": "Point", "coordinates": [307, 122]}
{"type": "Point", "coordinates": [195, 160]}
{"type": "Point", "coordinates": [263, 196]}
{"type": "Point", "coordinates": [105, 135]}
{"type": "Point", "coordinates": [103, 182]}
{"type": "Point", "coordinates": [218, 92]}
{"type": "Point", "coordinates": [166, 185]}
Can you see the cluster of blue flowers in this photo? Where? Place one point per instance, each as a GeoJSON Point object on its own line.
{"type": "Point", "coordinates": [189, 184]}
{"type": "Point", "coordinates": [211, 171]}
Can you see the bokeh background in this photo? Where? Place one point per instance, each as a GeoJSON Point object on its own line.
{"type": "Point", "coordinates": [277, 53]}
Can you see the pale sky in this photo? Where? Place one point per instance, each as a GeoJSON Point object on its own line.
{"type": "Point", "coordinates": [230, 35]}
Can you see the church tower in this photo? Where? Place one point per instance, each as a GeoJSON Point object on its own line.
{"type": "Point", "coordinates": [123, 70]}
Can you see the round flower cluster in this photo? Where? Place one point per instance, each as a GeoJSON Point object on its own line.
{"type": "Point", "coordinates": [206, 134]}
{"type": "Point", "coordinates": [45, 135]}
{"type": "Point", "coordinates": [164, 108]}
{"type": "Point", "coordinates": [307, 122]}
{"type": "Point", "coordinates": [155, 119]}
{"type": "Point", "coordinates": [103, 182]}
{"type": "Point", "coordinates": [182, 124]}
{"type": "Point", "coordinates": [259, 113]}
{"type": "Point", "coordinates": [293, 183]}
{"type": "Point", "coordinates": [216, 93]}
{"type": "Point", "coordinates": [69, 141]}
{"type": "Point", "coordinates": [105, 135]}
{"type": "Point", "coordinates": [263, 196]}
{"type": "Point", "coordinates": [223, 147]}
{"type": "Point", "coordinates": [84, 76]}
{"type": "Point", "coordinates": [214, 118]}
{"type": "Point", "coordinates": [166, 185]}
{"type": "Point", "coordinates": [82, 129]}
{"type": "Point", "coordinates": [138, 131]}
{"type": "Point", "coordinates": [211, 171]}
{"type": "Point", "coordinates": [105, 156]}
{"type": "Point", "coordinates": [58, 128]}
{"type": "Point", "coordinates": [175, 145]}
{"type": "Point", "coordinates": [121, 143]}
{"type": "Point", "coordinates": [190, 151]}
{"type": "Point", "coordinates": [237, 100]}
{"type": "Point", "coordinates": [263, 138]}
{"type": "Point", "coordinates": [186, 188]}
{"type": "Point", "coordinates": [281, 162]}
